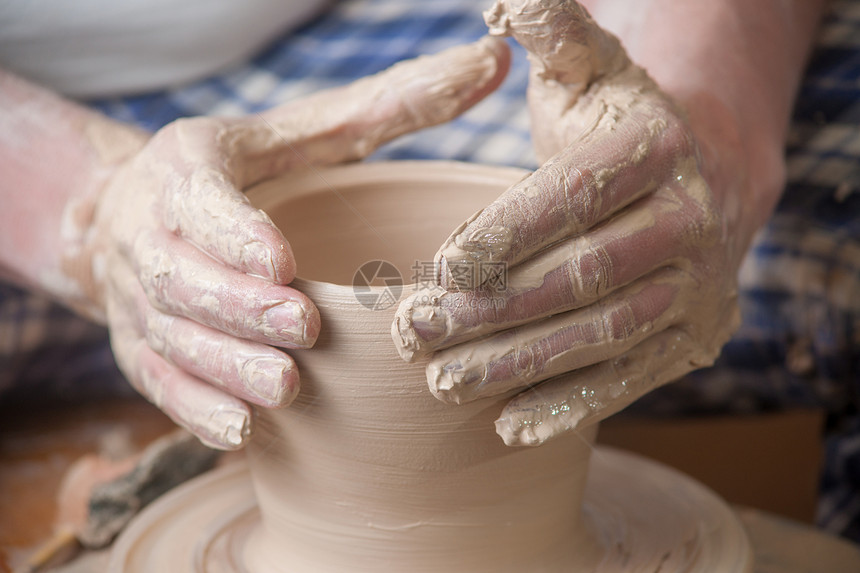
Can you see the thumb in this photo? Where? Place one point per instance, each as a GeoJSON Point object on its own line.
{"type": "Point", "coordinates": [350, 122]}
{"type": "Point", "coordinates": [568, 52]}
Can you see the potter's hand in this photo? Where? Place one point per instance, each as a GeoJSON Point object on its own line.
{"type": "Point", "coordinates": [193, 278]}
{"type": "Point", "coordinates": [620, 274]}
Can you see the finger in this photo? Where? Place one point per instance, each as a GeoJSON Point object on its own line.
{"type": "Point", "coordinates": [179, 279]}
{"type": "Point", "coordinates": [218, 419]}
{"type": "Point", "coordinates": [575, 400]}
{"type": "Point", "coordinates": [585, 184]}
{"type": "Point", "coordinates": [569, 54]}
{"type": "Point", "coordinates": [523, 356]}
{"type": "Point", "coordinates": [212, 160]}
{"type": "Point", "coordinates": [251, 371]}
{"type": "Point", "coordinates": [566, 48]}
{"type": "Point", "coordinates": [203, 202]}
{"type": "Point", "coordinates": [657, 230]}
{"type": "Point", "coordinates": [350, 122]}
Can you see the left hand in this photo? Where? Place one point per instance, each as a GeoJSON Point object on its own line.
{"type": "Point", "coordinates": [621, 263]}
{"type": "Point", "coordinates": [192, 280]}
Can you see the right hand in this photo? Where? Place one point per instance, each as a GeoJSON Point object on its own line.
{"type": "Point", "coordinates": [191, 279]}
{"type": "Point", "coordinates": [620, 256]}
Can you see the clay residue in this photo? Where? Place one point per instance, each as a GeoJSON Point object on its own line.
{"type": "Point", "coordinates": [565, 45]}
{"type": "Point", "coordinates": [365, 449]}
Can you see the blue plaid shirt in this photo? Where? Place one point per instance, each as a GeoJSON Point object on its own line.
{"type": "Point", "coordinates": [800, 297]}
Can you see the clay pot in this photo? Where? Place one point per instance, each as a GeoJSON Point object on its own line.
{"type": "Point", "coordinates": [366, 470]}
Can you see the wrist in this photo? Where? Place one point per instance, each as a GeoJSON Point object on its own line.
{"type": "Point", "coordinates": [743, 163]}
{"type": "Point", "coordinates": [79, 280]}
{"type": "Point", "coordinates": [734, 66]}
{"type": "Point", "coordinates": [56, 157]}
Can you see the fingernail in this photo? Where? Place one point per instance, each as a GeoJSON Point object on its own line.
{"type": "Point", "coordinates": [228, 428]}
{"type": "Point", "coordinates": [287, 322]}
{"type": "Point", "coordinates": [257, 257]}
{"type": "Point", "coordinates": [517, 432]}
{"type": "Point", "coordinates": [459, 260]}
{"type": "Point", "coordinates": [448, 382]}
{"type": "Point", "coordinates": [457, 272]}
{"type": "Point", "coordinates": [478, 243]}
{"type": "Point", "coordinates": [405, 342]}
{"type": "Point", "coordinates": [535, 417]}
{"type": "Point", "coordinates": [497, 20]}
{"type": "Point", "coordinates": [480, 370]}
{"type": "Point", "coordinates": [267, 378]}
{"type": "Point", "coordinates": [420, 321]}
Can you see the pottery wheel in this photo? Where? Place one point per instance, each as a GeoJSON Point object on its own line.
{"type": "Point", "coordinates": [637, 510]}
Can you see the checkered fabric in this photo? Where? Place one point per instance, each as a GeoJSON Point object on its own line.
{"type": "Point", "coordinates": [800, 298]}
{"type": "Point", "coordinates": [799, 344]}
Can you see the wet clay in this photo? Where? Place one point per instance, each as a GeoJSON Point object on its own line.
{"type": "Point", "coordinates": [366, 470]}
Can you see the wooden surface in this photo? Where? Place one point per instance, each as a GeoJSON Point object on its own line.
{"type": "Point", "coordinates": [769, 462]}
{"type": "Point", "coordinates": [36, 449]}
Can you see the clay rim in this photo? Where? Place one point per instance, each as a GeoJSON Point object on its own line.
{"type": "Point", "coordinates": [312, 180]}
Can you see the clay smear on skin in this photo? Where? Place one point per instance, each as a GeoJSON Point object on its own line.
{"type": "Point", "coordinates": [610, 93]}
{"type": "Point", "coordinates": [452, 370]}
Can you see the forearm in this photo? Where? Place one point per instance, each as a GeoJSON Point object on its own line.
{"type": "Point", "coordinates": [55, 157]}
{"type": "Point", "coordinates": [735, 67]}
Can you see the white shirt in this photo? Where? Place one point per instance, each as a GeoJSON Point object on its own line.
{"type": "Point", "coordinates": [89, 48]}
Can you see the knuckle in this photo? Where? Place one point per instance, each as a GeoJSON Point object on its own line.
{"type": "Point", "coordinates": [668, 134]}
{"type": "Point", "coordinates": [590, 272]}
{"type": "Point", "coordinates": [168, 137]}
{"type": "Point", "coordinates": [702, 220]}
{"type": "Point", "coordinates": [679, 137]}
{"type": "Point", "coordinates": [190, 126]}
{"type": "Point", "coordinates": [528, 362]}
{"type": "Point", "coordinates": [567, 188]}
{"type": "Point", "coordinates": [156, 270]}
{"type": "Point", "coordinates": [578, 194]}
{"type": "Point", "coordinates": [158, 327]}
{"type": "Point", "coordinates": [619, 324]}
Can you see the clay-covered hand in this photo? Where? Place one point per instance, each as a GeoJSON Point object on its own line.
{"type": "Point", "coordinates": [191, 278]}
{"type": "Point", "coordinates": [607, 272]}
